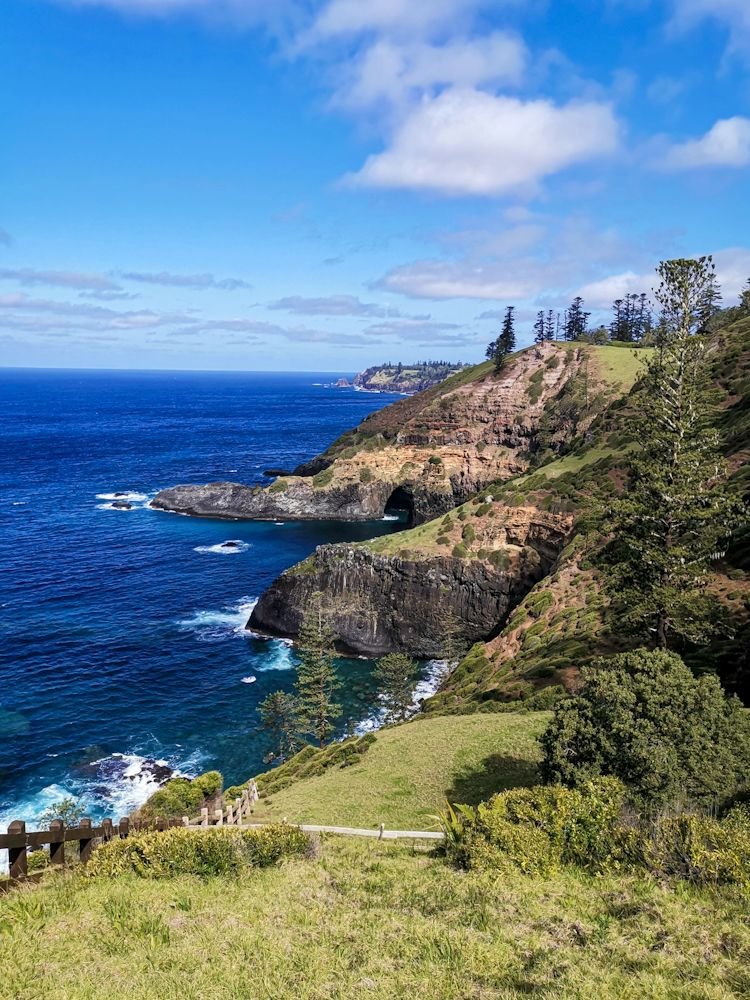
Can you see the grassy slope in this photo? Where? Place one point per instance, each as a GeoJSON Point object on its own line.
{"type": "Point", "coordinates": [369, 920]}
{"type": "Point", "coordinates": [405, 777]}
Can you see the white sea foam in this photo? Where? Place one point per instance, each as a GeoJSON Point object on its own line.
{"type": "Point", "coordinates": [436, 671]}
{"type": "Point", "coordinates": [249, 680]}
{"type": "Point", "coordinates": [224, 548]}
{"type": "Point", "coordinates": [19, 503]}
{"type": "Point", "coordinates": [127, 496]}
{"type": "Point", "coordinates": [390, 517]}
{"type": "Point", "coordinates": [112, 786]}
{"type": "Point", "coordinates": [278, 657]}
{"type": "Point", "coordinates": [218, 626]}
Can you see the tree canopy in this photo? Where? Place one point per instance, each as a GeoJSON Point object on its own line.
{"type": "Point", "coordinates": [644, 718]}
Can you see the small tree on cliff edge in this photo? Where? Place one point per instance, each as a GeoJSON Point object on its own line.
{"type": "Point", "coordinates": [505, 344]}
{"type": "Point", "coordinates": [317, 682]}
{"type": "Point", "coordinates": [395, 676]}
{"type": "Point", "coordinates": [540, 328]}
{"type": "Point", "coordinates": [677, 513]}
{"type": "Point", "coordinates": [280, 717]}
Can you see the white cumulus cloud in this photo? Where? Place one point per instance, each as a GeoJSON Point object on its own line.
{"type": "Point", "coordinates": [726, 144]}
{"type": "Point", "coordinates": [467, 142]}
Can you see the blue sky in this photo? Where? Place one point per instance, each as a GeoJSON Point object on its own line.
{"type": "Point", "coordinates": [325, 184]}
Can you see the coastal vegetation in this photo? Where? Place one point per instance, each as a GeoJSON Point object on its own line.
{"type": "Point", "coordinates": [582, 758]}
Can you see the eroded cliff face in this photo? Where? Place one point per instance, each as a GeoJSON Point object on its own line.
{"type": "Point", "coordinates": [429, 452]}
{"type": "Point", "coordinates": [383, 598]}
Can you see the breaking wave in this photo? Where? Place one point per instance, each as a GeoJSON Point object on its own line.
{"type": "Point", "coordinates": [218, 626]}
{"type": "Point", "coordinates": [227, 548]}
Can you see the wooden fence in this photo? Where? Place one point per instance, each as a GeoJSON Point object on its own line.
{"type": "Point", "coordinates": [18, 841]}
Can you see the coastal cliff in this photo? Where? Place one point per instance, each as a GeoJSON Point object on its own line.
{"type": "Point", "coordinates": [406, 379]}
{"type": "Point", "coordinates": [427, 453]}
{"type": "Point", "coordinates": [384, 596]}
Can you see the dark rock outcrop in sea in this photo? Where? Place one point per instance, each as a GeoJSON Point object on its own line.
{"type": "Point", "coordinates": [384, 599]}
{"type": "Point", "coordinates": [299, 500]}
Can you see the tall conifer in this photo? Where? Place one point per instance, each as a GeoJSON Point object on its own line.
{"type": "Point", "coordinates": [677, 513]}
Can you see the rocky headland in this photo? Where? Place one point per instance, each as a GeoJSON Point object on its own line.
{"type": "Point", "coordinates": [406, 379]}
{"type": "Point", "coordinates": [427, 453]}
{"type": "Point", "coordinates": [397, 595]}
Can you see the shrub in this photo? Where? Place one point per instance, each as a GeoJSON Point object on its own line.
{"type": "Point", "coordinates": [500, 559]}
{"type": "Point", "coordinates": [460, 551]}
{"type": "Point", "coordinates": [365, 475]}
{"type": "Point", "coordinates": [323, 478]}
{"type": "Point", "coordinates": [468, 534]}
{"type": "Point", "coordinates": [644, 718]}
{"type": "Point", "coordinates": [538, 829]}
{"type": "Point", "coordinates": [217, 851]}
{"type": "Point", "coordinates": [181, 796]}
{"type": "Point", "coordinates": [483, 510]}
{"type": "Point", "coordinates": [435, 460]}
{"type": "Point", "coordinates": [280, 486]}
{"type": "Point", "coordinates": [443, 540]}
{"type": "Point", "coordinates": [537, 604]}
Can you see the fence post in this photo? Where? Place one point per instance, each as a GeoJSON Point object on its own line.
{"type": "Point", "coordinates": [17, 855]}
{"type": "Point", "coordinates": [230, 814]}
{"type": "Point", "coordinates": [219, 816]}
{"type": "Point", "coordinates": [57, 843]}
{"type": "Point", "coordinates": [85, 843]}
{"type": "Point", "coordinates": [238, 811]}
{"type": "Point", "coordinates": [204, 816]}
{"type": "Point", "coordinates": [382, 829]}
{"type": "Point", "coordinates": [186, 821]}
{"type": "Point", "coordinates": [124, 827]}
{"type": "Point", "coordinates": [108, 829]}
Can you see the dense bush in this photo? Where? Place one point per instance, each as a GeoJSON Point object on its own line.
{"type": "Point", "coordinates": [323, 478]}
{"type": "Point", "coordinates": [182, 796]}
{"type": "Point", "coordinates": [215, 851]}
{"type": "Point", "coordinates": [644, 718]}
{"type": "Point", "coordinates": [538, 830]}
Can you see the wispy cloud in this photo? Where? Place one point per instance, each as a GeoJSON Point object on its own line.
{"type": "Point", "coordinates": [5, 238]}
{"type": "Point", "coordinates": [733, 14]}
{"type": "Point", "coordinates": [61, 279]}
{"type": "Point", "coordinates": [538, 259]}
{"type": "Point", "coordinates": [333, 305]}
{"type": "Point", "coordinates": [184, 280]}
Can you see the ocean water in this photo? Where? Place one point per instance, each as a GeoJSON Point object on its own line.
{"type": "Point", "coordinates": [123, 654]}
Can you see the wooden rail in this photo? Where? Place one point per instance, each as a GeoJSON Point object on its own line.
{"type": "Point", "coordinates": [18, 841]}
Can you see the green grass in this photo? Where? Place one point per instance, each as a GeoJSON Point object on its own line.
{"type": "Point", "coordinates": [620, 365]}
{"type": "Point", "coordinates": [406, 775]}
{"type": "Point", "coordinates": [571, 463]}
{"type": "Point", "coordinates": [369, 921]}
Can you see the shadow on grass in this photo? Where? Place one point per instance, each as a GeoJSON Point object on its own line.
{"type": "Point", "coordinates": [495, 773]}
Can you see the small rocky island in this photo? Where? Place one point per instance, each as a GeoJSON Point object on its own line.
{"type": "Point", "coordinates": [406, 379]}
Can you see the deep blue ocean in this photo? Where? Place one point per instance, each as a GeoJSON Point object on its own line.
{"type": "Point", "coordinates": [122, 630]}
